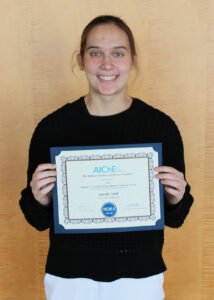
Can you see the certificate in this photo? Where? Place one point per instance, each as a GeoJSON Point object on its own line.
{"type": "Point", "coordinates": [107, 188]}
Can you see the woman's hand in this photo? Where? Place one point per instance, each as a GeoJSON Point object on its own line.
{"type": "Point", "coordinates": [43, 182]}
{"type": "Point", "coordinates": [174, 183]}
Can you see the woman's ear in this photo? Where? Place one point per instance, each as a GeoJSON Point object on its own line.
{"type": "Point", "coordinates": [80, 62]}
{"type": "Point", "coordinates": [134, 62]}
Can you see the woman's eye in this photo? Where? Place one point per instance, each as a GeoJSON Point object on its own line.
{"type": "Point", "coordinates": [118, 54]}
{"type": "Point", "coordinates": [95, 54]}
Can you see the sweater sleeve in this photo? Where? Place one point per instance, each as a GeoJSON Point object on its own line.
{"type": "Point", "coordinates": [173, 155]}
{"type": "Point", "coordinates": [39, 216]}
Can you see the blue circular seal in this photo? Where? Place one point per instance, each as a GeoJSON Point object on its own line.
{"type": "Point", "coordinates": [109, 209]}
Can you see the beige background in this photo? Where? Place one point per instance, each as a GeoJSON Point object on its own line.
{"type": "Point", "coordinates": [175, 43]}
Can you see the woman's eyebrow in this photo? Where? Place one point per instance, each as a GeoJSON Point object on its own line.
{"type": "Point", "coordinates": [120, 47]}
{"type": "Point", "coordinates": [92, 47]}
{"type": "Point", "coordinates": [97, 47]}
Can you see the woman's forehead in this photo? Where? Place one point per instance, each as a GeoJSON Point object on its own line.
{"type": "Point", "coordinates": [108, 34]}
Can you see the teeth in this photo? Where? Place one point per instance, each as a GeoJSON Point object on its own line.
{"type": "Point", "coordinates": [108, 77]}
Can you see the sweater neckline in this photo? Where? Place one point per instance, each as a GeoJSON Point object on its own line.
{"type": "Point", "coordinates": [117, 115]}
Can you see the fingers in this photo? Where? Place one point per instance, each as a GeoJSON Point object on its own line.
{"type": "Point", "coordinates": [44, 190]}
{"type": "Point", "coordinates": [169, 170]}
{"type": "Point", "coordinates": [173, 181]}
{"type": "Point", "coordinates": [172, 191]}
{"type": "Point", "coordinates": [43, 174]}
{"type": "Point", "coordinates": [168, 175]}
{"type": "Point", "coordinates": [39, 184]}
{"type": "Point", "coordinates": [42, 171]}
{"type": "Point", "coordinates": [43, 167]}
{"type": "Point", "coordinates": [173, 195]}
{"type": "Point", "coordinates": [43, 181]}
{"type": "Point", "coordinates": [41, 187]}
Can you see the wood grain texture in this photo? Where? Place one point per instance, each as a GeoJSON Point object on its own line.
{"type": "Point", "coordinates": [175, 44]}
{"type": "Point", "coordinates": [208, 203]}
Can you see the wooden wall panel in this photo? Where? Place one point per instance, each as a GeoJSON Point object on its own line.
{"type": "Point", "coordinates": [208, 203]}
{"type": "Point", "coordinates": [175, 42]}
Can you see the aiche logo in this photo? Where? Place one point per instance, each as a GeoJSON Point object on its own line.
{"type": "Point", "coordinates": [109, 209]}
{"type": "Point", "coordinates": [105, 169]}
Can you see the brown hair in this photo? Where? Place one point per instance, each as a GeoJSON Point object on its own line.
{"type": "Point", "coordinates": [107, 19]}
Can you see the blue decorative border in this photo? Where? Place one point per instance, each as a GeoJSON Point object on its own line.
{"type": "Point", "coordinates": [55, 151]}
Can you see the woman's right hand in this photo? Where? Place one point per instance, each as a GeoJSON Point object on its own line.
{"type": "Point", "coordinates": [42, 183]}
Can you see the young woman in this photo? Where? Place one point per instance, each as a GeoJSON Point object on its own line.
{"type": "Point", "coordinates": [127, 265]}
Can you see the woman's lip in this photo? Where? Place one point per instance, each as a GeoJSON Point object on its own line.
{"type": "Point", "coordinates": [107, 77]}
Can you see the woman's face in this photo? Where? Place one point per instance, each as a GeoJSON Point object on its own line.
{"type": "Point", "coordinates": [107, 59]}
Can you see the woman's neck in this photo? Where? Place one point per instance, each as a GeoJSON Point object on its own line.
{"type": "Point", "coordinates": [106, 105]}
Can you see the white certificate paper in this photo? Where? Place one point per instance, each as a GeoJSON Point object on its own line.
{"type": "Point", "coordinates": [107, 188]}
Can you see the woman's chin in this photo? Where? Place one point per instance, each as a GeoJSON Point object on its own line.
{"type": "Point", "coordinates": [108, 91]}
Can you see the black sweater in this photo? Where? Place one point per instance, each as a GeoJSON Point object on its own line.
{"type": "Point", "coordinates": [104, 256]}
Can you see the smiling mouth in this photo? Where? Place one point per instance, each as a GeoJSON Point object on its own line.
{"type": "Point", "coordinates": [107, 78]}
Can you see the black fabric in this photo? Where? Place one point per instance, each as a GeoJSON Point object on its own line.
{"type": "Point", "coordinates": [104, 256]}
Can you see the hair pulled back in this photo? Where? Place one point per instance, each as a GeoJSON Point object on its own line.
{"type": "Point", "coordinates": [107, 19]}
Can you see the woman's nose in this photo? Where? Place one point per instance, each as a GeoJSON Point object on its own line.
{"type": "Point", "coordinates": [106, 63]}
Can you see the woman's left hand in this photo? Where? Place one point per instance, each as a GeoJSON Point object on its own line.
{"type": "Point", "coordinates": [173, 181]}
